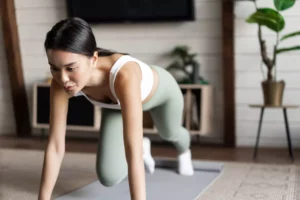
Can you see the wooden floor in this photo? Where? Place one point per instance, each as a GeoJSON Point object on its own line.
{"type": "Point", "coordinates": [204, 152]}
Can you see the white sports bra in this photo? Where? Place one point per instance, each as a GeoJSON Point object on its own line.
{"type": "Point", "coordinates": [146, 83]}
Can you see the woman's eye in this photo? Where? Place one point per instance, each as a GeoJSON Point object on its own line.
{"type": "Point", "coordinates": [53, 69]}
{"type": "Point", "coordinates": [71, 69]}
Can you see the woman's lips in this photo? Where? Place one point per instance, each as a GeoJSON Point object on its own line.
{"type": "Point", "coordinates": [69, 87]}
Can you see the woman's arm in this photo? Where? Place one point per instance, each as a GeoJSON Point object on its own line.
{"type": "Point", "coordinates": [55, 149]}
{"type": "Point", "coordinates": [127, 87]}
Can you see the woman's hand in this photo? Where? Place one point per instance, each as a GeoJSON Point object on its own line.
{"type": "Point", "coordinates": [128, 91]}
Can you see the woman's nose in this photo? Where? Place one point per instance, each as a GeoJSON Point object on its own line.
{"type": "Point", "coordinates": [64, 77]}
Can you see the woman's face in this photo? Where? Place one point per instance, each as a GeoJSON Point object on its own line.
{"type": "Point", "coordinates": [70, 70]}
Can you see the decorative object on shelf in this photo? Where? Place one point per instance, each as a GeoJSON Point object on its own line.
{"type": "Point", "coordinates": [186, 63]}
{"type": "Point", "coordinates": [272, 19]}
{"type": "Point", "coordinates": [49, 78]}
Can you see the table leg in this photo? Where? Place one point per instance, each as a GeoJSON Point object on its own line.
{"type": "Point", "coordinates": [288, 133]}
{"type": "Point", "coordinates": [258, 132]}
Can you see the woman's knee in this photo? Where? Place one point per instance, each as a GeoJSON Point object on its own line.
{"type": "Point", "coordinates": [172, 134]}
{"type": "Point", "coordinates": [110, 178]}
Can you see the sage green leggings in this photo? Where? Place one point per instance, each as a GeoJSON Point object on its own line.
{"type": "Point", "coordinates": [165, 108]}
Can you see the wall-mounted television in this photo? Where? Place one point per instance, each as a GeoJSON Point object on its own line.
{"type": "Point", "coordinates": [120, 11]}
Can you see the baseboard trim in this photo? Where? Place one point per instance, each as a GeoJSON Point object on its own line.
{"type": "Point", "coordinates": [267, 142]}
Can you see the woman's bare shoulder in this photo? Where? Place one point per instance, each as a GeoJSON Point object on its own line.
{"type": "Point", "coordinates": [129, 72]}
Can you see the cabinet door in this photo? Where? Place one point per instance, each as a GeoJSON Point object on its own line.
{"type": "Point", "coordinates": [80, 111]}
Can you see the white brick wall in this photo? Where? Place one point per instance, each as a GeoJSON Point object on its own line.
{"type": "Point", "coordinates": [147, 42]}
{"type": "Point", "coordinates": [248, 78]}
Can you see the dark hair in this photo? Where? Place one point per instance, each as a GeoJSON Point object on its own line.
{"type": "Point", "coordinates": [76, 36]}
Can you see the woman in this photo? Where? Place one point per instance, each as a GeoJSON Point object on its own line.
{"type": "Point", "coordinates": [124, 87]}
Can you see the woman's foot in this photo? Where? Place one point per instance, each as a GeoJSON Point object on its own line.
{"type": "Point", "coordinates": [148, 159]}
{"type": "Point", "coordinates": [185, 164]}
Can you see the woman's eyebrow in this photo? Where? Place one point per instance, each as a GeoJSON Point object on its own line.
{"type": "Point", "coordinates": [66, 65]}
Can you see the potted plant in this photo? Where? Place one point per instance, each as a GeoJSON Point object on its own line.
{"type": "Point", "coordinates": [185, 62]}
{"type": "Point", "coordinates": [272, 19]}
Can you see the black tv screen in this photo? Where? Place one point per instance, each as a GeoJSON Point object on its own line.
{"type": "Point", "coordinates": [108, 11]}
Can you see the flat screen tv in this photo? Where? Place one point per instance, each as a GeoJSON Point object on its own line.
{"type": "Point", "coordinates": [111, 11]}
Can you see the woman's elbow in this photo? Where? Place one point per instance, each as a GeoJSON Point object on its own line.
{"type": "Point", "coordinates": [58, 148]}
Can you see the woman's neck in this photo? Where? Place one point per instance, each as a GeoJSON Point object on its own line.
{"type": "Point", "coordinates": [100, 75]}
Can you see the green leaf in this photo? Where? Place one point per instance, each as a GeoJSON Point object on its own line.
{"type": "Point", "coordinates": [180, 51]}
{"type": "Point", "coordinates": [174, 65]}
{"type": "Point", "coordinates": [281, 50]}
{"type": "Point", "coordinates": [268, 17]}
{"type": "Point", "coordinates": [297, 33]}
{"type": "Point", "coordinates": [283, 4]}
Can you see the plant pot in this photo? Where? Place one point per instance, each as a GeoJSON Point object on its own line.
{"type": "Point", "coordinates": [273, 92]}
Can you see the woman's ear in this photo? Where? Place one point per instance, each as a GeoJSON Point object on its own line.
{"type": "Point", "coordinates": [96, 53]}
{"type": "Point", "coordinates": [95, 58]}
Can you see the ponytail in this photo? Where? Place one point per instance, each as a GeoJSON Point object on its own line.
{"type": "Point", "coordinates": [106, 52]}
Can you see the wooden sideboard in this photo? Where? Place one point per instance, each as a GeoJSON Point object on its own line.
{"type": "Point", "coordinates": [197, 114]}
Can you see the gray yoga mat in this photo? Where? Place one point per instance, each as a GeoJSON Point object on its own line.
{"type": "Point", "coordinates": [164, 183]}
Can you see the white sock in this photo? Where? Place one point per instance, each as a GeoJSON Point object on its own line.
{"type": "Point", "coordinates": [185, 165]}
{"type": "Point", "coordinates": [148, 159]}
